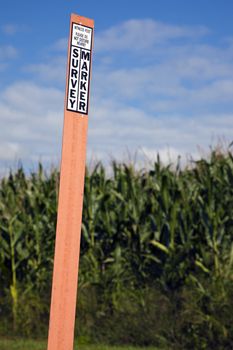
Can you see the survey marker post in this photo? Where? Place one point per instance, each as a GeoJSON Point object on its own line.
{"type": "Point", "coordinates": [70, 203]}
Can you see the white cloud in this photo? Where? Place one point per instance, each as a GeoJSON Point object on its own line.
{"type": "Point", "coordinates": [52, 71]}
{"type": "Point", "coordinates": [2, 66]}
{"type": "Point", "coordinates": [10, 150]}
{"type": "Point", "coordinates": [9, 29]}
{"type": "Point", "coordinates": [31, 122]}
{"type": "Point", "coordinates": [167, 155]}
{"type": "Point", "coordinates": [172, 101]}
{"type": "Point", "coordinates": [182, 79]}
{"type": "Point", "coordinates": [7, 52]}
{"type": "Point", "coordinates": [113, 129]}
{"type": "Point", "coordinates": [60, 45]}
{"type": "Point", "coordinates": [31, 127]}
{"type": "Point", "coordinates": [139, 35]}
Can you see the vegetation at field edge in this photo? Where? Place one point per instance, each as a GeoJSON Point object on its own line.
{"type": "Point", "coordinates": [41, 345]}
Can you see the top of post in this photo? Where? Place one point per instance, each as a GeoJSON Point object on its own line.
{"type": "Point", "coordinates": [82, 20]}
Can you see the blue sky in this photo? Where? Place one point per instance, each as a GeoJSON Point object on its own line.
{"type": "Point", "coordinates": [162, 78]}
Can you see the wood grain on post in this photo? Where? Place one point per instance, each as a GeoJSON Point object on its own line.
{"type": "Point", "coordinates": [69, 219]}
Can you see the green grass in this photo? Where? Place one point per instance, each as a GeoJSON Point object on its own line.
{"type": "Point", "coordinates": [19, 344]}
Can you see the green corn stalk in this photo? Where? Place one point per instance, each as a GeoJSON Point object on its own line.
{"type": "Point", "coordinates": [138, 226]}
{"type": "Point", "coordinates": [13, 286]}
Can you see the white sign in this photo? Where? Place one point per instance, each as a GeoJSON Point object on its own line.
{"type": "Point", "coordinates": [79, 70]}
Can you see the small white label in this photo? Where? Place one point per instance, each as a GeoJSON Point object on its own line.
{"type": "Point", "coordinates": [81, 36]}
{"type": "Point", "coordinates": [79, 71]}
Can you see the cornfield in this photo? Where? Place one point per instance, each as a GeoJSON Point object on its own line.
{"type": "Point", "coordinates": [156, 254]}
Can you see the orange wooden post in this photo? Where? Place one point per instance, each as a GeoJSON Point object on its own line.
{"type": "Point", "coordinates": [69, 219]}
